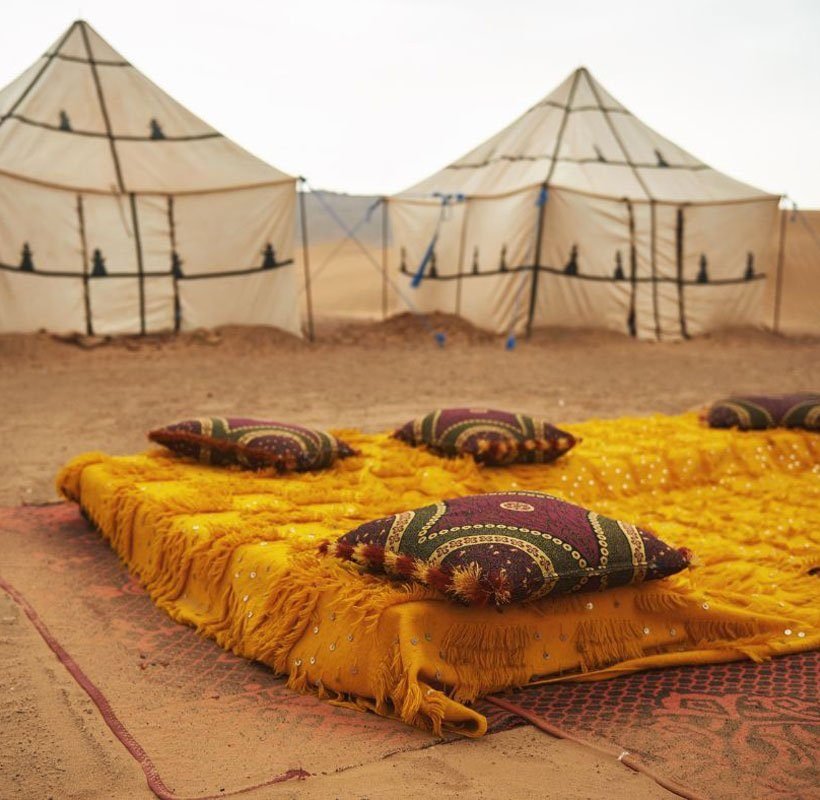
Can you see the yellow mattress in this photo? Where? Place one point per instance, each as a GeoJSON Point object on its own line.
{"type": "Point", "coordinates": [233, 553]}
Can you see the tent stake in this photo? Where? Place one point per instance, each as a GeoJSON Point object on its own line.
{"type": "Point", "coordinates": [306, 261]}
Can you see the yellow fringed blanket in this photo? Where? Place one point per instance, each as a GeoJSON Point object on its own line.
{"type": "Point", "coordinates": [234, 554]}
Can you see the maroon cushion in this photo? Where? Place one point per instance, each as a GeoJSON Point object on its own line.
{"type": "Point", "coordinates": [490, 436]}
{"type": "Point", "coordinates": [509, 547]}
{"type": "Point", "coordinates": [749, 412]}
{"type": "Point", "coordinates": [251, 443]}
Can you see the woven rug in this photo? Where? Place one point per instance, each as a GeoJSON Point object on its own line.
{"type": "Point", "coordinates": [169, 688]}
{"type": "Point", "coordinates": [738, 730]}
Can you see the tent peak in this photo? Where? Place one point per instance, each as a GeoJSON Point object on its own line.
{"type": "Point", "coordinates": [112, 126]}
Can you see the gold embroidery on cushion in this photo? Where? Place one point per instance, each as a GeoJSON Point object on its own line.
{"type": "Point", "coordinates": [478, 426]}
{"type": "Point", "coordinates": [538, 556]}
{"type": "Point", "coordinates": [743, 413]}
{"type": "Point", "coordinates": [441, 510]}
{"type": "Point", "coordinates": [603, 546]}
{"type": "Point", "coordinates": [513, 506]}
{"type": "Point", "coordinates": [397, 530]}
{"type": "Point", "coordinates": [248, 439]}
{"type": "Point", "coordinates": [635, 541]}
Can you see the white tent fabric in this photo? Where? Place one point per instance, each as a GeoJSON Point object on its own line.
{"type": "Point", "coordinates": [122, 212]}
{"type": "Point", "coordinates": [793, 294]}
{"type": "Point", "coordinates": [579, 214]}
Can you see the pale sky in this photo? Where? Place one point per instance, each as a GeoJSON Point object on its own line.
{"type": "Point", "coordinates": [370, 96]}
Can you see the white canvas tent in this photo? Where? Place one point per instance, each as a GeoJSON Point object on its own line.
{"type": "Point", "coordinates": [122, 212]}
{"type": "Point", "coordinates": [578, 214]}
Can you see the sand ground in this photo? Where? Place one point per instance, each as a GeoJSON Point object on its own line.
{"type": "Point", "coordinates": [59, 399]}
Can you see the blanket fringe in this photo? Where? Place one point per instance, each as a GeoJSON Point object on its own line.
{"type": "Point", "coordinates": [714, 632]}
{"type": "Point", "coordinates": [603, 642]}
{"type": "Point", "coordinates": [658, 602]}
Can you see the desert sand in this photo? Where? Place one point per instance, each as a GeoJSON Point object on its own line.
{"type": "Point", "coordinates": [59, 399]}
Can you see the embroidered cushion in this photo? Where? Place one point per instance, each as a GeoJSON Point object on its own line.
{"type": "Point", "coordinates": [767, 411]}
{"type": "Point", "coordinates": [509, 547]}
{"type": "Point", "coordinates": [490, 436]}
{"type": "Point", "coordinates": [251, 443]}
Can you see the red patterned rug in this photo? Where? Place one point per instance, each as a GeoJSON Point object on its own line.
{"type": "Point", "coordinates": [164, 690]}
{"type": "Point", "coordinates": [738, 730]}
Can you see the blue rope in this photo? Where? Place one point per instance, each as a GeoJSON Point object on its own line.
{"type": "Point", "coordinates": [446, 199]}
{"type": "Point", "coordinates": [428, 254]}
{"type": "Point", "coordinates": [332, 254]}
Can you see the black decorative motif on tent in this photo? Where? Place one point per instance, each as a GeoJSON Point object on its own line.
{"type": "Point", "coordinates": [750, 267]}
{"type": "Point", "coordinates": [502, 264]}
{"type": "Point", "coordinates": [580, 276]}
{"type": "Point", "coordinates": [176, 265]}
{"type": "Point", "coordinates": [571, 267]}
{"type": "Point", "coordinates": [475, 261]}
{"type": "Point", "coordinates": [156, 130]}
{"type": "Point", "coordinates": [26, 259]}
{"type": "Point", "coordinates": [703, 273]}
{"type": "Point", "coordinates": [98, 269]}
{"type": "Point", "coordinates": [268, 257]}
{"type": "Point", "coordinates": [662, 162]}
{"type": "Point", "coordinates": [403, 259]}
{"type": "Point", "coordinates": [65, 122]}
{"type": "Point", "coordinates": [619, 267]}
{"type": "Point", "coordinates": [599, 154]}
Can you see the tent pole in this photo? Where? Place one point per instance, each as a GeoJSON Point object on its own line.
{"type": "Point", "coordinates": [89, 327]}
{"type": "Point", "coordinates": [653, 251]}
{"type": "Point", "coordinates": [652, 209]}
{"type": "Point", "coordinates": [631, 320]}
{"type": "Point", "coordinates": [306, 260]}
{"type": "Point", "coordinates": [384, 258]}
{"type": "Point", "coordinates": [536, 267]}
{"type": "Point", "coordinates": [461, 247]}
{"type": "Point", "coordinates": [140, 265]}
{"type": "Point", "coordinates": [679, 233]}
{"type": "Point", "coordinates": [542, 201]}
{"type": "Point", "coordinates": [175, 264]}
{"type": "Point", "coordinates": [781, 256]}
{"type": "Point", "coordinates": [103, 110]}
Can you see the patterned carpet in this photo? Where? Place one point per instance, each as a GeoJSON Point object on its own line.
{"type": "Point", "coordinates": [738, 730]}
{"type": "Point", "coordinates": [169, 688]}
{"type": "Point", "coordinates": [750, 729]}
